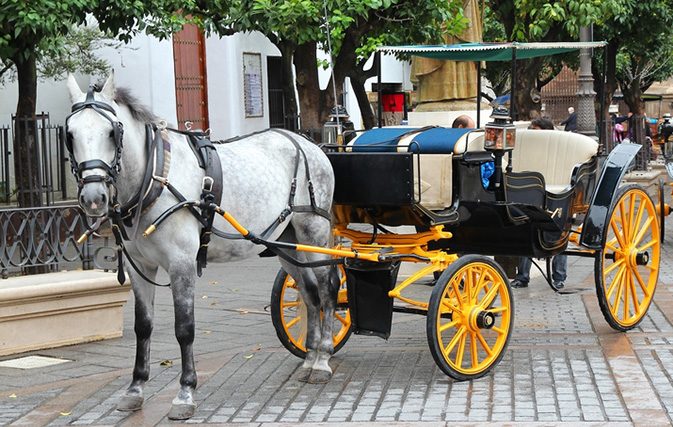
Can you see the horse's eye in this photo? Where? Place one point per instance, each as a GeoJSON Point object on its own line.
{"type": "Point", "coordinates": [112, 134]}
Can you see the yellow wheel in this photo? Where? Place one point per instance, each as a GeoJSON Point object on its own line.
{"type": "Point", "coordinates": [288, 314]}
{"type": "Point", "coordinates": [627, 268]}
{"type": "Point", "coordinates": [470, 317]}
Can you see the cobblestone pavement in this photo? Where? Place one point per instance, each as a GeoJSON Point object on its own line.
{"type": "Point", "coordinates": [564, 366]}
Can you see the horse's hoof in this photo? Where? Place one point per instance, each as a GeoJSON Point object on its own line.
{"type": "Point", "coordinates": [130, 403]}
{"type": "Point", "coordinates": [304, 375]}
{"type": "Point", "coordinates": [181, 412]}
{"type": "Point", "coordinates": [320, 377]}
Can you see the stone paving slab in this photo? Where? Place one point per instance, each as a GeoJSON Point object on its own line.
{"type": "Point", "coordinates": [564, 366]}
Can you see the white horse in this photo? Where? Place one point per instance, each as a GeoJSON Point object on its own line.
{"type": "Point", "coordinates": [110, 161]}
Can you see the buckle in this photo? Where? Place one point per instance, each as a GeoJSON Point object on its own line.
{"type": "Point", "coordinates": [208, 183]}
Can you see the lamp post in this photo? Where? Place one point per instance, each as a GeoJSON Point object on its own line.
{"type": "Point", "coordinates": [586, 113]}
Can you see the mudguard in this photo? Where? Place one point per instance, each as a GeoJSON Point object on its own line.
{"type": "Point", "coordinates": [612, 173]}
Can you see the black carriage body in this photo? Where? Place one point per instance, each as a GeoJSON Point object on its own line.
{"type": "Point", "coordinates": [522, 219]}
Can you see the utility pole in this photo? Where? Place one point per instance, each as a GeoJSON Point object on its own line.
{"type": "Point", "coordinates": [586, 112]}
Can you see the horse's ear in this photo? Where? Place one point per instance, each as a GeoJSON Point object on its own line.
{"type": "Point", "coordinates": [73, 88]}
{"type": "Point", "coordinates": [109, 87]}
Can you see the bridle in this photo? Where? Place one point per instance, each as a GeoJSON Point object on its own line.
{"type": "Point", "coordinates": [112, 170]}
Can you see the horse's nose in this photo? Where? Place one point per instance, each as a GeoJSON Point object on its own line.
{"type": "Point", "coordinates": [93, 202]}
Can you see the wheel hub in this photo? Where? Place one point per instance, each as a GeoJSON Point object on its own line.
{"type": "Point", "coordinates": [481, 319]}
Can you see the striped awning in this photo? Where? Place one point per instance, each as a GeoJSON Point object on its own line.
{"type": "Point", "coordinates": [489, 51]}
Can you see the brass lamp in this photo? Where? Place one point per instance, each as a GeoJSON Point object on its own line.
{"type": "Point", "coordinates": [501, 132]}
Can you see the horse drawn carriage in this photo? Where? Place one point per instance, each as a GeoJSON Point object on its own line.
{"type": "Point", "coordinates": [471, 195]}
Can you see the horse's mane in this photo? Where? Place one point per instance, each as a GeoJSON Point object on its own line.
{"type": "Point", "coordinates": [139, 111]}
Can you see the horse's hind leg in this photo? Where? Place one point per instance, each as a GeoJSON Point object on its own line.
{"type": "Point", "coordinates": [319, 289]}
{"type": "Point", "coordinates": [328, 288]}
{"type": "Point", "coordinates": [183, 276]}
{"type": "Point", "coordinates": [143, 292]}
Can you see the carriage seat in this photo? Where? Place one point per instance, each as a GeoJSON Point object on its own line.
{"type": "Point", "coordinates": [552, 153]}
{"type": "Point", "coordinates": [435, 146]}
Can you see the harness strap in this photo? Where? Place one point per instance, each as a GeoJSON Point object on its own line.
{"type": "Point", "coordinates": [158, 156]}
{"type": "Point", "coordinates": [313, 207]}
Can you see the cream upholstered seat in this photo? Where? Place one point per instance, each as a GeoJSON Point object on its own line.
{"type": "Point", "coordinates": [553, 153]}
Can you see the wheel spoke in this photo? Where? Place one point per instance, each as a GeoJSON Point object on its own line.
{"type": "Point", "coordinates": [454, 341]}
{"type": "Point", "coordinates": [293, 322]}
{"type": "Point", "coordinates": [626, 299]}
{"type": "Point", "coordinates": [498, 309]}
{"type": "Point", "coordinates": [634, 297]}
{"type": "Point", "coordinates": [619, 235]}
{"type": "Point", "coordinates": [289, 304]}
{"type": "Point", "coordinates": [485, 345]}
{"type": "Point", "coordinates": [642, 231]}
{"type": "Point", "coordinates": [631, 216]}
{"type": "Point", "coordinates": [642, 285]}
{"type": "Point", "coordinates": [449, 325]}
{"type": "Point", "coordinates": [451, 307]}
{"type": "Point", "coordinates": [615, 280]}
{"type": "Point", "coordinates": [461, 349]}
{"type": "Point", "coordinates": [648, 245]}
{"type": "Point", "coordinates": [612, 266]}
{"type": "Point", "coordinates": [340, 318]}
{"type": "Point", "coordinates": [473, 349]}
{"type": "Point", "coordinates": [618, 295]}
{"type": "Point", "coordinates": [489, 297]}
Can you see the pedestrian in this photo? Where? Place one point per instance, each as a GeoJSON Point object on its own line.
{"type": "Point", "coordinates": [571, 121]}
{"type": "Point", "coordinates": [463, 121]}
{"type": "Point", "coordinates": [559, 264]}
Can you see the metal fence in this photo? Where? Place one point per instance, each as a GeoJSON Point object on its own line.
{"type": "Point", "coordinates": [42, 237]}
{"type": "Point", "coordinates": [51, 157]}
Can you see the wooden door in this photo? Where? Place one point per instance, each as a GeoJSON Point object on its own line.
{"type": "Point", "coordinates": [191, 89]}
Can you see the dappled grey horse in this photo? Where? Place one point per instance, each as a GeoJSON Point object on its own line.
{"type": "Point", "coordinates": [125, 162]}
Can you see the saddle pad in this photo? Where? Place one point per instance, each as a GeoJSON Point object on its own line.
{"type": "Point", "coordinates": [437, 140]}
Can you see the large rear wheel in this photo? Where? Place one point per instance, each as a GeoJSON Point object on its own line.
{"type": "Point", "coordinates": [288, 314]}
{"type": "Point", "coordinates": [627, 269]}
{"type": "Point", "coordinates": [470, 317]}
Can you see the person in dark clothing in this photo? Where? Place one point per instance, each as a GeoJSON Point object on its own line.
{"type": "Point", "coordinates": [571, 121]}
{"type": "Point", "coordinates": [559, 264]}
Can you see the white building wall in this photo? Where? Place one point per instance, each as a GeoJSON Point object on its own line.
{"type": "Point", "coordinates": [226, 100]}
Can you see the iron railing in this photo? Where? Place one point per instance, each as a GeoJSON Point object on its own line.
{"type": "Point", "coordinates": [51, 157]}
{"type": "Point", "coordinates": [46, 238]}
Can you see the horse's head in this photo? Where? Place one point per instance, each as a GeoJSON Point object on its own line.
{"type": "Point", "coordinates": [94, 141]}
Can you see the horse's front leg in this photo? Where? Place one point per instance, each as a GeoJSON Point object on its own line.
{"type": "Point", "coordinates": [183, 278]}
{"type": "Point", "coordinates": [143, 292]}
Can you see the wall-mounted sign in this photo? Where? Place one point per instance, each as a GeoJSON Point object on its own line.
{"type": "Point", "coordinates": [252, 85]}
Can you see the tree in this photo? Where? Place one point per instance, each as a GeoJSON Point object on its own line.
{"type": "Point", "coordinates": [639, 50]}
{"type": "Point", "coordinates": [544, 21]}
{"type": "Point", "coordinates": [76, 53]}
{"type": "Point", "coordinates": [298, 29]}
{"type": "Point", "coordinates": [30, 30]}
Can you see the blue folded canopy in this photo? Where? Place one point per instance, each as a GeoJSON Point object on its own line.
{"type": "Point", "coordinates": [436, 140]}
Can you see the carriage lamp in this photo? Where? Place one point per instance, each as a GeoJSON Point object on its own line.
{"type": "Point", "coordinates": [501, 132]}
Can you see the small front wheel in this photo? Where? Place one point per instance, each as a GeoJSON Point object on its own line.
{"type": "Point", "coordinates": [470, 317]}
{"type": "Point", "coordinates": [627, 269]}
{"type": "Point", "coordinates": [288, 314]}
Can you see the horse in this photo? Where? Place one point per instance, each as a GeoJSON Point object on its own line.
{"type": "Point", "coordinates": [266, 177]}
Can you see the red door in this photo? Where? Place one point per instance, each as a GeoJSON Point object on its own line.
{"type": "Point", "coordinates": [191, 89]}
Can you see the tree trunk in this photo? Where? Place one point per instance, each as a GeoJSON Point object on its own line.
{"type": "Point", "coordinates": [26, 150]}
{"type": "Point", "coordinates": [610, 79]}
{"type": "Point", "coordinates": [526, 79]}
{"type": "Point", "coordinates": [633, 96]}
{"type": "Point", "coordinates": [368, 118]}
{"type": "Point", "coordinates": [308, 87]}
{"type": "Point", "coordinates": [289, 97]}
